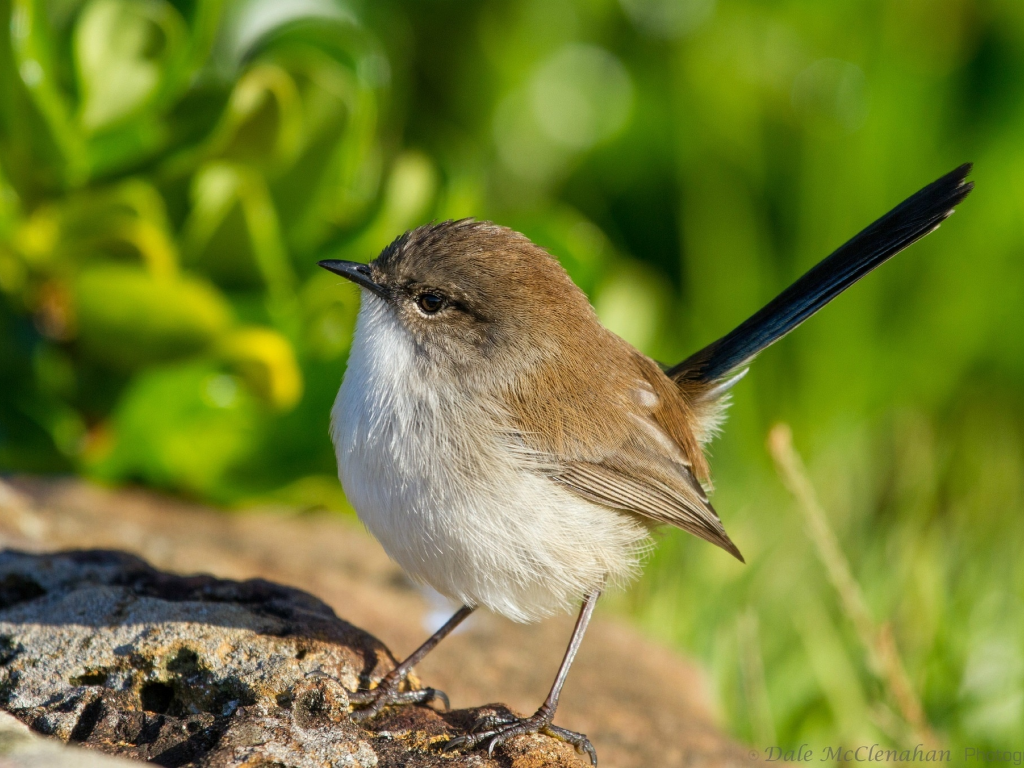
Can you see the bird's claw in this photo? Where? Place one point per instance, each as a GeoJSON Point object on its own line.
{"type": "Point", "coordinates": [501, 728]}
{"type": "Point", "coordinates": [389, 696]}
{"type": "Point", "coordinates": [442, 697]}
{"type": "Point", "coordinates": [490, 722]}
{"type": "Point", "coordinates": [578, 740]}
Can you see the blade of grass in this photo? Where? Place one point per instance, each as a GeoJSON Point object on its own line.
{"type": "Point", "coordinates": [877, 640]}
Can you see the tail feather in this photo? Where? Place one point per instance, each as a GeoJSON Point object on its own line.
{"type": "Point", "coordinates": [905, 224]}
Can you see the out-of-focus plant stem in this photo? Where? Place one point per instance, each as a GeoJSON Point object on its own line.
{"type": "Point", "coordinates": [879, 645]}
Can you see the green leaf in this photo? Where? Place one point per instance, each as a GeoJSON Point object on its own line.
{"type": "Point", "coordinates": [265, 360]}
{"type": "Point", "coordinates": [121, 49]}
{"type": "Point", "coordinates": [181, 427]}
{"type": "Point", "coordinates": [129, 318]}
{"type": "Point", "coordinates": [32, 50]}
{"type": "Point", "coordinates": [217, 188]}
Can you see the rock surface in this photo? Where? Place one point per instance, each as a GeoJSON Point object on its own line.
{"type": "Point", "coordinates": [21, 748]}
{"type": "Point", "coordinates": [99, 649]}
{"type": "Point", "coordinates": [641, 704]}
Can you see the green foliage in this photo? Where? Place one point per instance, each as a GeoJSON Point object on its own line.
{"type": "Point", "coordinates": [168, 173]}
{"type": "Point", "coordinates": [204, 424]}
{"type": "Point", "coordinates": [128, 318]}
{"type": "Point", "coordinates": [171, 171]}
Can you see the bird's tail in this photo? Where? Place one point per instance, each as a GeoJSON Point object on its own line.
{"type": "Point", "coordinates": [707, 372]}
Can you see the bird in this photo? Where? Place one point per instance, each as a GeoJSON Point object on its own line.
{"type": "Point", "coordinates": [512, 453]}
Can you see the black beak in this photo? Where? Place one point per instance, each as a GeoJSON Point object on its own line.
{"type": "Point", "coordinates": [356, 272]}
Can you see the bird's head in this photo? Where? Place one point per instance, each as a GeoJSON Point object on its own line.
{"type": "Point", "coordinates": [467, 292]}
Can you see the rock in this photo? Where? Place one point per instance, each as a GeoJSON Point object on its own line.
{"type": "Point", "coordinates": [21, 748]}
{"type": "Point", "coordinates": [640, 703]}
{"type": "Point", "coordinates": [99, 649]}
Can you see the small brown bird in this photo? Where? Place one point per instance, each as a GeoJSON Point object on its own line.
{"type": "Point", "coordinates": [512, 453]}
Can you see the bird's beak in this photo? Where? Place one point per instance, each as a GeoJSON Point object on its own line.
{"type": "Point", "coordinates": [358, 273]}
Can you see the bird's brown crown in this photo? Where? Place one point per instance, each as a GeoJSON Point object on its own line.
{"type": "Point", "coordinates": [467, 286]}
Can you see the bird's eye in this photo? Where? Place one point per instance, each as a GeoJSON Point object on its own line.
{"type": "Point", "coordinates": [430, 302]}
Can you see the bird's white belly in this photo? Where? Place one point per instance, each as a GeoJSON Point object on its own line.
{"type": "Point", "coordinates": [435, 481]}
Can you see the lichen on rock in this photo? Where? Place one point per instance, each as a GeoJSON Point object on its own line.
{"type": "Point", "coordinates": [97, 648]}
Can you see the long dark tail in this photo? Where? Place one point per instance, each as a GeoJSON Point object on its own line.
{"type": "Point", "coordinates": [907, 223]}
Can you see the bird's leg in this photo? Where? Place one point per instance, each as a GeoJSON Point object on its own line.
{"type": "Point", "coordinates": [496, 729]}
{"type": "Point", "coordinates": [387, 692]}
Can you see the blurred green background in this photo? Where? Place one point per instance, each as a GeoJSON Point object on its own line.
{"type": "Point", "coordinates": [171, 171]}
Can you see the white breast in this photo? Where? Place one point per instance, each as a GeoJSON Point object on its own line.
{"type": "Point", "coordinates": [435, 481]}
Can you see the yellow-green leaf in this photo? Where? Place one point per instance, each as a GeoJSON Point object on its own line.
{"type": "Point", "coordinates": [265, 360]}
{"type": "Point", "coordinates": [128, 318]}
{"type": "Point", "coordinates": [121, 48]}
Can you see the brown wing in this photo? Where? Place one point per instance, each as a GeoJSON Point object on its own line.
{"type": "Point", "coordinates": [668, 494]}
{"type": "Point", "coordinates": [625, 442]}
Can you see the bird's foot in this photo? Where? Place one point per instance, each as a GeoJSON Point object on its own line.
{"type": "Point", "coordinates": [387, 694]}
{"type": "Point", "coordinates": [495, 730]}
